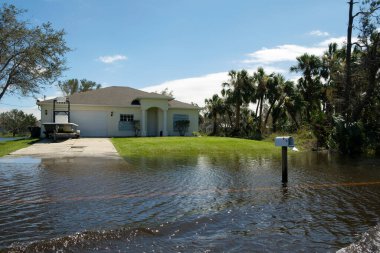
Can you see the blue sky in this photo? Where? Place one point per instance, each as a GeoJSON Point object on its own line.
{"type": "Point", "coordinates": [185, 45]}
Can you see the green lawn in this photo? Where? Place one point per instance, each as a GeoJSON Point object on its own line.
{"type": "Point", "coordinates": [10, 146]}
{"type": "Point", "coordinates": [183, 146]}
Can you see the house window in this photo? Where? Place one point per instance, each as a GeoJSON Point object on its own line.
{"type": "Point", "coordinates": [126, 122]}
{"type": "Point", "coordinates": [177, 117]}
{"type": "Point", "coordinates": [181, 123]}
{"type": "Point", "coordinates": [126, 117]}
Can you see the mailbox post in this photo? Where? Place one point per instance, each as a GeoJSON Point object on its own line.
{"type": "Point", "coordinates": [284, 142]}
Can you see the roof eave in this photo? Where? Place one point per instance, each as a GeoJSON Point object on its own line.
{"type": "Point", "coordinates": [160, 98]}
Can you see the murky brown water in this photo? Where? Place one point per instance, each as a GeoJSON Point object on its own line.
{"type": "Point", "coordinates": [230, 203]}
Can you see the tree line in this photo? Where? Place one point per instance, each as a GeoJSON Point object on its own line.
{"type": "Point", "coordinates": [337, 95]}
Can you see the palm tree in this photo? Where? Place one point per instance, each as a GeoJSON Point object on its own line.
{"type": "Point", "coordinates": [293, 102]}
{"type": "Point", "coordinates": [261, 78]}
{"type": "Point", "coordinates": [214, 107]}
{"type": "Point", "coordinates": [275, 87]}
{"type": "Point", "coordinates": [289, 103]}
{"type": "Point", "coordinates": [333, 69]}
{"type": "Point", "coordinates": [310, 83]}
{"type": "Point", "coordinates": [238, 91]}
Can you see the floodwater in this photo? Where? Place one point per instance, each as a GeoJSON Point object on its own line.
{"type": "Point", "coordinates": [221, 203]}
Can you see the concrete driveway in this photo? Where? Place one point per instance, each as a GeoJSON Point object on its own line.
{"type": "Point", "coordinates": [82, 147]}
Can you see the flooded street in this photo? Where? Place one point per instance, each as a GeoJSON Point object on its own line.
{"type": "Point", "coordinates": [215, 203]}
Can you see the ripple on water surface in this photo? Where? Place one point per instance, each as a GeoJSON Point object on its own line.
{"type": "Point", "coordinates": [229, 203]}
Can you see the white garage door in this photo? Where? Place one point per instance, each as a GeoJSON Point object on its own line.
{"type": "Point", "coordinates": [91, 123]}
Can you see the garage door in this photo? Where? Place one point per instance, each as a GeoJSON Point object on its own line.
{"type": "Point", "coordinates": [91, 123]}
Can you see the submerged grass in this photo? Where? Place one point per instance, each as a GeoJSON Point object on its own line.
{"type": "Point", "coordinates": [185, 146]}
{"type": "Point", "coordinates": [11, 146]}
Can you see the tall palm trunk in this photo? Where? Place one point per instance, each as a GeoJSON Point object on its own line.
{"type": "Point", "coordinates": [267, 116]}
{"type": "Point", "coordinates": [257, 107]}
{"type": "Point", "coordinates": [214, 129]}
{"type": "Point", "coordinates": [237, 122]}
{"type": "Point", "coordinates": [348, 85]}
{"type": "Point", "coordinates": [280, 102]}
{"type": "Point", "coordinates": [261, 112]}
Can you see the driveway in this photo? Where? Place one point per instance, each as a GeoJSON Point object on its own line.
{"type": "Point", "coordinates": [82, 147]}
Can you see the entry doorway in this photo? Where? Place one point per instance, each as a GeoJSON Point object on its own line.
{"type": "Point", "coordinates": [152, 122]}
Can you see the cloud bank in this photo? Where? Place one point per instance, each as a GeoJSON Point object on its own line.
{"type": "Point", "coordinates": [289, 52]}
{"type": "Point", "coordinates": [194, 89]}
{"type": "Point", "coordinates": [281, 53]}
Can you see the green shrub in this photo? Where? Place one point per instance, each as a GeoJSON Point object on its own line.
{"type": "Point", "coordinates": [182, 126]}
{"type": "Point", "coordinates": [347, 137]}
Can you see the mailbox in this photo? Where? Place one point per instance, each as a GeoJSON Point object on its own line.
{"type": "Point", "coordinates": [284, 141]}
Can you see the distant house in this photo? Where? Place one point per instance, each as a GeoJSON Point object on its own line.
{"type": "Point", "coordinates": [120, 111]}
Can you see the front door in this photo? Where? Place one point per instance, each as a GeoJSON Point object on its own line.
{"type": "Point", "coordinates": [152, 126]}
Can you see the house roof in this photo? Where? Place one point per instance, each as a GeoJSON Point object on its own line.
{"type": "Point", "coordinates": [119, 96]}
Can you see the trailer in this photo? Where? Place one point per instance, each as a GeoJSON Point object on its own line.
{"type": "Point", "coordinates": [61, 130]}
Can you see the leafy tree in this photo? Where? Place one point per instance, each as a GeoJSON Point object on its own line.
{"type": "Point", "coordinates": [69, 87]}
{"type": "Point", "coordinates": [368, 16]}
{"type": "Point", "coordinates": [166, 92]}
{"type": "Point", "coordinates": [16, 121]}
{"type": "Point", "coordinates": [86, 85]}
{"type": "Point", "coordinates": [72, 86]}
{"type": "Point", "coordinates": [30, 57]}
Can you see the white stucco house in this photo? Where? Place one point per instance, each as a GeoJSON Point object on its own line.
{"type": "Point", "coordinates": [114, 112]}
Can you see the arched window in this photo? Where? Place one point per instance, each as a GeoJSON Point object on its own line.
{"type": "Point", "coordinates": [136, 102]}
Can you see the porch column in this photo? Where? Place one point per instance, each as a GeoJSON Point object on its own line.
{"type": "Point", "coordinates": [143, 122]}
{"type": "Point", "coordinates": [165, 131]}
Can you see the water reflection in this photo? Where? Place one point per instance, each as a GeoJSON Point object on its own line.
{"type": "Point", "coordinates": [196, 203]}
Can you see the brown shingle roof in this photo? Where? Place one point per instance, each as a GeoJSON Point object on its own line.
{"type": "Point", "coordinates": [118, 96]}
{"type": "Point", "coordinates": [181, 105]}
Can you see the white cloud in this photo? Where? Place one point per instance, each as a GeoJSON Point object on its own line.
{"type": "Point", "coordinates": [194, 89]}
{"type": "Point", "coordinates": [112, 58]}
{"type": "Point", "coordinates": [281, 53]}
{"type": "Point", "coordinates": [338, 40]}
{"type": "Point", "coordinates": [197, 89]}
{"type": "Point", "coordinates": [289, 52]}
{"type": "Point", "coordinates": [319, 33]}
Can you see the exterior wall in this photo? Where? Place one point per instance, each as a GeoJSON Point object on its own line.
{"type": "Point", "coordinates": [46, 113]}
{"type": "Point", "coordinates": [106, 125]}
{"type": "Point", "coordinates": [193, 118]}
{"type": "Point", "coordinates": [87, 116]}
{"type": "Point", "coordinates": [113, 122]}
